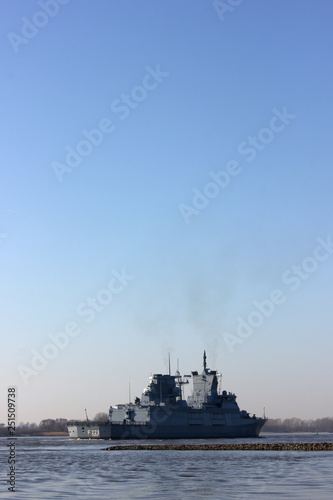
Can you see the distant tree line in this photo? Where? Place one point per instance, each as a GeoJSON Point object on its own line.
{"type": "Point", "coordinates": [48, 425]}
{"type": "Point", "coordinates": [32, 429]}
{"type": "Point", "coordinates": [298, 425]}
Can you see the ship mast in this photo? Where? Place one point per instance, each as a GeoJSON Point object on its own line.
{"type": "Point", "coordinates": [204, 361]}
{"type": "Point", "coordinates": [180, 382]}
{"type": "Point", "coordinates": [129, 390]}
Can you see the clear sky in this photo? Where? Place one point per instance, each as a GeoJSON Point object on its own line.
{"type": "Point", "coordinates": [166, 186]}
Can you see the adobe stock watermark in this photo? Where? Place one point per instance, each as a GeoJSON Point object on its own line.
{"type": "Point", "coordinates": [12, 419]}
{"type": "Point", "coordinates": [30, 27]}
{"type": "Point", "coordinates": [87, 310]}
{"type": "Point", "coordinates": [221, 179]}
{"type": "Point", "coordinates": [147, 429]}
{"type": "Point", "coordinates": [293, 279]}
{"type": "Point", "coordinates": [122, 107]}
{"type": "Point", "coordinates": [84, 487]}
{"type": "Point", "coordinates": [3, 236]}
{"type": "Point", "coordinates": [225, 7]}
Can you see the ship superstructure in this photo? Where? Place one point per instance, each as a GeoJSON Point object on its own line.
{"type": "Point", "coordinates": [163, 413]}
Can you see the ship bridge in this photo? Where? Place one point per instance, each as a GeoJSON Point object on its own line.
{"type": "Point", "coordinates": [162, 389]}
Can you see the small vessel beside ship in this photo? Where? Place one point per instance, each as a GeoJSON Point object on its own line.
{"type": "Point", "coordinates": [162, 413]}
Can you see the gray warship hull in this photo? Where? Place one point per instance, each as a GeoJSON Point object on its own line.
{"type": "Point", "coordinates": [147, 431]}
{"type": "Point", "coordinates": [162, 413]}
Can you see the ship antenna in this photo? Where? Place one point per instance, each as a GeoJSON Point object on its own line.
{"type": "Point", "coordinates": [204, 361]}
{"type": "Point", "coordinates": [86, 416]}
{"type": "Point", "coordinates": [129, 390]}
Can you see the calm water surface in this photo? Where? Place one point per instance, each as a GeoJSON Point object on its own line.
{"type": "Point", "coordinates": [58, 468]}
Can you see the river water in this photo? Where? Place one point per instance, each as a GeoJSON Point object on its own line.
{"type": "Point", "coordinates": [53, 468]}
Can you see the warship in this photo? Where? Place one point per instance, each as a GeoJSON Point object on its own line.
{"type": "Point", "coordinates": [163, 413]}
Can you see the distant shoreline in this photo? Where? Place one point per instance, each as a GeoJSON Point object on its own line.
{"type": "Point", "coordinates": [63, 433]}
{"type": "Point", "coordinates": [298, 432]}
{"type": "Point", "coordinates": [40, 434]}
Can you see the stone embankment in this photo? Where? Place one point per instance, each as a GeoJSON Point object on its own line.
{"type": "Point", "coordinates": [239, 446]}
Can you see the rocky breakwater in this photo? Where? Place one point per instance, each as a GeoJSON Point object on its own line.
{"type": "Point", "coordinates": [238, 446]}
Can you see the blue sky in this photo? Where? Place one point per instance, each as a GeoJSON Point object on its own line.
{"type": "Point", "coordinates": [180, 93]}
